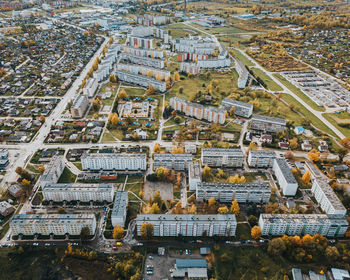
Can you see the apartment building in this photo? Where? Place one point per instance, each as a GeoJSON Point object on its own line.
{"type": "Point", "coordinates": [120, 161]}
{"type": "Point", "coordinates": [190, 68]}
{"type": "Point", "coordinates": [284, 176]}
{"type": "Point", "coordinates": [141, 80]}
{"type": "Point", "coordinates": [6, 208]}
{"type": "Point", "coordinates": [269, 124]}
{"type": "Point", "coordinates": [79, 106]}
{"type": "Point", "coordinates": [178, 162]}
{"type": "Point", "coordinates": [218, 157]}
{"type": "Point", "coordinates": [53, 171]}
{"type": "Point", "coordinates": [328, 200]}
{"type": "Point", "coordinates": [243, 74]}
{"type": "Point", "coordinates": [144, 70]}
{"type": "Point", "coordinates": [162, 34]}
{"type": "Point", "coordinates": [144, 52]}
{"type": "Point", "coordinates": [78, 192]}
{"type": "Point", "coordinates": [141, 60]}
{"type": "Point", "coordinates": [189, 225]}
{"type": "Point", "coordinates": [101, 73]}
{"type": "Point", "coordinates": [141, 31]}
{"type": "Point", "coordinates": [48, 224]}
{"type": "Point", "coordinates": [301, 224]}
{"type": "Point", "coordinates": [140, 42]}
{"type": "Point", "coordinates": [149, 20]}
{"type": "Point", "coordinates": [119, 210]}
{"type": "Point", "coordinates": [241, 109]}
{"type": "Point", "coordinates": [219, 62]}
{"type": "Point", "coordinates": [194, 57]}
{"type": "Point", "coordinates": [261, 158]}
{"type": "Point", "coordinates": [198, 111]}
{"type": "Point", "coordinates": [194, 175]}
{"type": "Point", "coordinates": [199, 45]}
{"type": "Point", "coordinates": [90, 87]}
{"type": "Point", "coordinates": [228, 192]}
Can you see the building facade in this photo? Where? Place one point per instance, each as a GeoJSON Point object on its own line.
{"type": "Point", "coordinates": [142, 60]}
{"type": "Point", "coordinates": [190, 68]}
{"type": "Point", "coordinates": [178, 162]}
{"type": "Point", "coordinates": [261, 158]}
{"type": "Point", "coordinates": [218, 157]}
{"type": "Point", "coordinates": [53, 171]}
{"type": "Point", "coordinates": [269, 124]}
{"type": "Point", "coordinates": [90, 87]}
{"type": "Point", "coordinates": [285, 177]}
{"type": "Point", "coordinates": [144, 70]}
{"type": "Point", "coordinates": [243, 74]}
{"type": "Point", "coordinates": [194, 175]}
{"type": "Point", "coordinates": [241, 109]}
{"type": "Point", "coordinates": [141, 80]}
{"type": "Point", "coordinates": [120, 207]}
{"type": "Point", "coordinates": [79, 107]}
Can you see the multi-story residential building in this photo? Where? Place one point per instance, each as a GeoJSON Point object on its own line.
{"type": "Point", "coordinates": [243, 74]}
{"type": "Point", "coordinates": [217, 157]}
{"type": "Point", "coordinates": [149, 20]}
{"type": "Point", "coordinates": [56, 224]}
{"type": "Point", "coordinates": [90, 87]}
{"type": "Point", "coordinates": [140, 42]}
{"type": "Point", "coordinates": [189, 225]}
{"type": "Point", "coordinates": [162, 34]}
{"type": "Point", "coordinates": [53, 171]}
{"type": "Point", "coordinates": [219, 62]}
{"type": "Point", "coordinates": [143, 60]}
{"type": "Point", "coordinates": [227, 192]}
{"type": "Point", "coordinates": [328, 200]}
{"type": "Point", "coordinates": [79, 106]}
{"type": "Point", "coordinates": [141, 80]}
{"type": "Point", "coordinates": [194, 175]}
{"type": "Point", "coordinates": [141, 31]}
{"type": "Point", "coordinates": [144, 52]}
{"type": "Point", "coordinates": [241, 109]}
{"type": "Point", "coordinates": [265, 123]}
{"type": "Point", "coordinates": [190, 68]}
{"type": "Point", "coordinates": [120, 161]}
{"type": "Point", "coordinates": [101, 73]}
{"type": "Point", "coordinates": [172, 161]}
{"type": "Point", "coordinates": [119, 210]}
{"type": "Point", "coordinates": [144, 70]}
{"type": "Point", "coordinates": [301, 224]}
{"type": "Point", "coordinates": [194, 57]}
{"type": "Point", "coordinates": [198, 111]}
{"type": "Point", "coordinates": [261, 158]}
{"type": "Point", "coordinates": [78, 192]}
{"type": "Point", "coordinates": [285, 177]}
{"type": "Point", "coordinates": [199, 45]}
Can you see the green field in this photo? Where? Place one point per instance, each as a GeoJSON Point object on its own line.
{"type": "Point", "coordinates": [271, 85]}
{"type": "Point", "coordinates": [337, 119]}
{"type": "Point", "coordinates": [178, 30]}
{"type": "Point", "coordinates": [67, 176]}
{"type": "Point", "coordinates": [243, 58]}
{"type": "Point", "coordinates": [298, 92]}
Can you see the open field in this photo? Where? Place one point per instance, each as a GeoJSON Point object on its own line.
{"type": "Point", "coordinates": [178, 30]}
{"type": "Point", "coordinates": [243, 58]}
{"type": "Point", "coordinates": [340, 121]}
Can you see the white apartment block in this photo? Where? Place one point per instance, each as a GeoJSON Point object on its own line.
{"type": "Point", "coordinates": [269, 124]}
{"type": "Point", "coordinates": [302, 224]}
{"type": "Point", "coordinates": [194, 175]}
{"type": "Point", "coordinates": [162, 34]}
{"type": "Point", "coordinates": [172, 161]}
{"type": "Point", "coordinates": [56, 224]}
{"type": "Point", "coordinates": [191, 57]}
{"type": "Point", "coordinates": [53, 171]}
{"type": "Point", "coordinates": [79, 106]}
{"type": "Point", "coordinates": [328, 200]}
{"type": "Point", "coordinates": [78, 192]}
{"type": "Point", "coordinates": [140, 42]}
{"type": "Point", "coordinates": [143, 60]}
{"type": "Point", "coordinates": [141, 80]}
{"type": "Point", "coordinates": [190, 68]}
{"type": "Point", "coordinates": [241, 109]}
{"type": "Point", "coordinates": [189, 225]}
{"type": "Point", "coordinates": [199, 45]}
{"type": "Point", "coordinates": [218, 157]}
{"type": "Point", "coordinates": [144, 52]}
{"type": "Point", "coordinates": [90, 87]}
{"type": "Point", "coordinates": [261, 158]}
{"type": "Point", "coordinates": [120, 161]}
{"type": "Point", "coordinates": [101, 73]}
{"type": "Point", "coordinates": [149, 20]}
{"type": "Point", "coordinates": [243, 74]}
{"type": "Point", "coordinates": [284, 176]}
{"type": "Point", "coordinates": [220, 62]}
{"type": "Point", "coordinates": [144, 70]}
{"type": "Point", "coordinates": [198, 111]}
{"type": "Point", "coordinates": [228, 192]}
{"type": "Point", "coordinates": [142, 31]}
{"type": "Point", "coordinates": [119, 210]}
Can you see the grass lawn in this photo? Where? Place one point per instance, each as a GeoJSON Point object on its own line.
{"type": "Point", "coordinates": [107, 137]}
{"type": "Point", "coordinates": [172, 122]}
{"type": "Point", "coordinates": [298, 92]}
{"type": "Point", "coordinates": [135, 188]}
{"type": "Point", "coordinates": [134, 91]}
{"type": "Point", "coordinates": [308, 115]}
{"type": "Point", "coordinates": [243, 232]}
{"type": "Point", "coordinates": [336, 119]}
{"type": "Point", "coordinates": [67, 176]}
{"type": "Point", "coordinates": [178, 30]}
{"type": "Point", "coordinates": [117, 133]}
{"type": "Point", "coordinates": [243, 58]}
{"type": "Point", "coordinates": [78, 165]}
{"type": "Point", "coordinates": [271, 85]}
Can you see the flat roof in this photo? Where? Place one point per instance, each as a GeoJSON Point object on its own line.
{"type": "Point", "coordinates": [221, 152]}
{"type": "Point", "coordinates": [286, 171]}
{"type": "Point", "coordinates": [191, 263]}
{"type": "Point", "coordinates": [275, 120]}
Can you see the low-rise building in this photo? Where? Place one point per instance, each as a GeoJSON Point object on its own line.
{"type": "Point", "coordinates": [79, 106]}
{"type": "Point", "coordinates": [15, 190]}
{"type": "Point", "coordinates": [53, 171]}
{"type": "Point", "coordinates": [119, 161]}
{"type": "Point", "coordinates": [284, 176]}
{"type": "Point", "coordinates": [228, 192]}
{"type": "Point", "coordinates": [265, 123]}
{"type": "Point", "coordinates": [192, 269]}
{"type": "Point", "coordinates": [78, 192]}
{"type": "Point", "coordinates": [261, 158]}
{"type": "Point", "coordinates": [241, 109]}
{"type": "Point", "coordinates": [6, 208]}
{"type": "Point", "coordinates": [119, 210]}
{"type": "Point", "coordinates": [218, 157]}
{"type": "Point", "coordinates": [301, 224]}
{"type": "Point", "coordinates": [90, 87]}
{"type": "Point", "coordinates": [188, 224]}
{"type": "Point", "coordinates": [172, 161]}
{"type": "Point", "coordinates": [4, 159]}
{"type": "Point", "coordinates": [194, 175]}
{"type": "Point", "coordinates": [52, 224]}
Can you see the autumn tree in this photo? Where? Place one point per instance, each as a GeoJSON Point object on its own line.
{"type": "Point", "coordinates": [289, 155]}
{"type": "Point", "coordinates": [314, 155]}
{"type": "Point", "coordinates": [156, 148]}
{"type": "Point", "coordinates": [235, 207]}
{"type": "Point", "coordinates": [252, 146]}
{"type": "Point", "coordinates": [223, 210]}
{"type": "Point", "coordinates": [155, 209]}
{"type": "Point", "coordinates": [176, 77]}
{"type": "Point", "coordinates": [211, 202]}
{"type": "Point", "coordinates": [332, 253]}
{"type": "Point", "coordinates": [147, 230]}
{"type": "Point", "coordinates": [192, 210]}
{"type": "Point", "coordinates": [84, 233]}
{"type": "Point", "coordinates": [150, 90]}
{"type": "Point", "coordinates": [306, 177]}
{"type": "Point", "coordinates": [293, 143]}
{"type": "Point", "coordinates": [41, 169]}
{"type": "Point", "coordinates": [113, 78]}
{"type": "Point", "coordinates": [122, 94]}
{"type": "Point", "coordinates": [346, 142]}
{"type": "Point", "coordinates": [206, 173]}
{"type": "Point", "coordinates": [157, 199]}
{"type": "Point", "coordinates": [276, 247]}
{"type": "Point", "coordinates": [118, 232]}
{"type": "Point", "coordinates": [256, 232]}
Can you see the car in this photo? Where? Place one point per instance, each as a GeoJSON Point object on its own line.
{"type": "Point", "coordinates": [149, 268]}
{"type": "Point", "coordinates": [250, 242]}
{"type": "Point", "coordinates": [189, 252]}
{"type": "Point", "coordinates": [186, 252]}
{"type": "Point", "coordinates": [151, 257]}
{"type": "Point", "coordinates": [262, 241]}
{"type": "Point", "coordinates": [228, 242]}
{"type": "Point", "coordinates": [35, 244]}
{"type": "Point", "coordinates": [139, 244]}
{"type": "Point", "coordinates": [47, 244]}
{"type": "Point", "coordinates": [149, 272]}
{"type": "Point", "coordinates": [333, 241]}
{"type": "Point", "coordinates": [8, 237]}
{"type": "Point", "coordinates": [149, 265]}
{"type": "Point", "coordinates": [180, 252]}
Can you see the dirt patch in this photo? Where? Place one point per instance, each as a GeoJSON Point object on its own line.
{"type": "Point", "coordinates": [166, 190]}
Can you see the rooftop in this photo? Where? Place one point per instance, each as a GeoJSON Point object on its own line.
{"type": "Point", "coordinates": [234, 186]}
{"type": "Point", "coordinates": [120, 203]}
{"type": "Point", "coordinates": [279, 121]}
{"type": "Point", "coordinates": [221, 152]}
{"type": "Point", "coordinates": [286, 171]}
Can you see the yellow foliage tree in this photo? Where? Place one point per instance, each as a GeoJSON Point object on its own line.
{"type": "Point", "coordinates": [211, 201]}
{"type": "Point", "coordinates": [156, 148]}
{"type": "Point", "coordinates": [235, 207]}
{"type": "Point", "coordinates": [118, 232]}
{"type": "Point", "coordinates": [314, 155]}
{"type": "Point", "coordinates": [176, 76]}
{"type": "Point", "coordinates": [256, 232]}
{"type": "Point", "coordinates": [192, 210]}
{"type": "Point", "coordinates": [122, 94]}
{"type": "Point", "coordinates": [306, 177]}
{"type": "Point", "coordinates": [223, 210]}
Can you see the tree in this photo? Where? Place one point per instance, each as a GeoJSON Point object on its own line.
{"type": "Point", "coordinates": [113, 78]}
{"type": "Point", "coordinates": [41, 169]}
{"type": "Point", "coordinates": [206, 173]}
{"type": "Point", "coordinates": [155, 209]}
{"type": "Point", "coordinates": [84, 233]}
{"type": "Point", "coordinates": [235, 207]}
{"type": "Point", "coordinates": [211, 202]}
{"type": "Point", "coordinates": [118, 232]}
{"type": "Point", "coordinates": [252, 220]}
{"type": "Point", "coordinates": [346, 142]}
{"type": "Point", "coordinates": [293, 143]}
{"type": "Point", "coordinates": [61, 211]}
{"type": "Point", "coordinates": [289, 155]}
{"type": "Point", "coordinates": [147, 230]}
{"type": "Point", "coordinates": [150, 90]}
{"type": "Point", "coordinates": [136, 276]}
{"type": "Point", "coordinates": [157, 199]}
{"type": "Point", "coordinates": [193, 209]}
{"type": "Point", "coordinates": [306, 177]}
{"type": "Point", "coordinates": [42, 119]}
{"type": "Point", "coordinates": [122, 94]}
{"type": "Point", "coordinates": [252, 146]}
{"type": "Point", "coordinates": [332, 253]}
{"type": "Point", "coordinates": [223, 210]}
{"type": "Point", "coordinates": [314, 155]}
{"type": "Point", "coordinates": [256, 232]}
{"type": "Point", "coordinates": [156, 148]}
{"type": "Point", "coordinates": [176, 77]}
{"type": "Point", "coordinates": [25, 183]}
{"type": "Point", "coordinates": [276, 247]}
